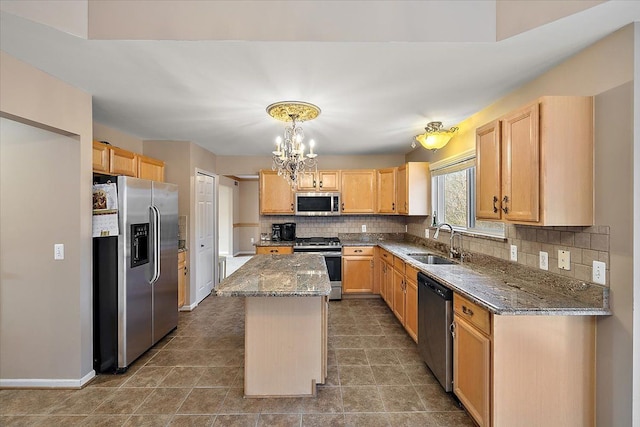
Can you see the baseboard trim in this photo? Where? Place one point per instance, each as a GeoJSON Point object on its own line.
{"type": "Point", "coordinates": [244, 253]}
{"type": "Point", "coordinates": [47, 383]}
{"type": "Point", "coordinates": [188, 307]}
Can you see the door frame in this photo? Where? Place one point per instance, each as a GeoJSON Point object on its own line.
{"type": "Point", "coordinates": [191, 296]}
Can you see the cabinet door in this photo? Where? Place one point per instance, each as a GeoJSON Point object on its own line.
{"type": "Point", "coordinates": [329, 180]}
{"type": "Point", "coordinates": [182, 278]}
{"type": "Point", "coordinates": [398, 295]}
{"type": "Point", "coordinates": [521, 165]}
{"type": "Point", "coordinates": [471, 370]}
{"type": "Point", "coordinates": [149, 168]}
{"type": "Point", "coordinates": [488, 171]}
{"type": "Point", "coordinates": [122, 162]}
{"type": "Point", "coordinates": [282, 250]}
{"type": "Point", "coordinates": [100, 157]}
{"type": "Point", "coordinates": [358, 191]}
{"type": "Point", "coordinates": [401, 190]}
{"type": "Point", "coordinates": [411, 307]}
{"type": "Point", "coordinates": [386, 189]}
{"type": "Point", "coordinates": [388, 284]}
{"type": "Point", "coordinates": [276, 196]}
{"type": "Point", "coordinates": [307, 181]}
{"type": "Point", "coordinates": [357, 274]}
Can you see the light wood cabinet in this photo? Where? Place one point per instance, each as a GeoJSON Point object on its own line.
{"type": "Point", "coordinates": [149, 168]}
{"type": "Point", "coordinates": [282, 250]}
{"type": "Point", "coordinates": [386, 190]}
{"type": "Point", "coordinates": [411, 302]}
{"type": "Point", "coordinates": [122, 162]}
{"type": "Point", "coordinates": [358, 191]}
{"type": "Point", "coordinates": [357, 269]}
{"type": "Point", "coordinates": [276, 196]}
{"type": "Point", "coordinates": [385, 260]}
{"type": "Point", "coordinates": [472, 359]}
{"type": "Point", "coordinates": [328, 180]}
{"type": "Point", "coordinates": [182, 277]}
{"type": "Point", "coordinates": [413, 189]}
{"type": "Point", "coordinates": [398, 289]}
{"type": "Point", "coordinates": [100, 157]}
{"type": "Point", "coordinates": [542, 157]}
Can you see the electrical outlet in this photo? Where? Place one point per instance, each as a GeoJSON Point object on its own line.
{"type": "Point", "coordinates": [564, 260]}
{"type": "Point", "coordinates": [252, 240]}
{"type": "Point", "coordinates": [364, 228]}
{"type": "Point", "coordinates": [599, 272]}
{"type": "Point", "coordinates": [426, 233]}
{"type": "Point", "coordinates": [58, 251]}
{"type": "Point", "coordinates": [514, 253]}
{"type": "Point", "coordinates": [544, 260]}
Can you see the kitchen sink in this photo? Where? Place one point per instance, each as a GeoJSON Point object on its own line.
{"type": "Point", "coordinates": [427, 258]}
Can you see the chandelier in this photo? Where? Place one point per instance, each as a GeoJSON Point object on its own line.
{"type": "Point", "coordinates": [289, 158]}
{"type": "Point", "coordinates": [435, 136]}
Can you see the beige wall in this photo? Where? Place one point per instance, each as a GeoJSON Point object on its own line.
{"type": "Point", "coordinates": [244, 165]}
{"type": "Point", "coordinates": [52, 346]}
{"type": "Point", "coordinates": [605, 69]}
{"type": "Point", "coordinates": [248, 215]}
{"type": "Point", "coordinates": [117, 138]}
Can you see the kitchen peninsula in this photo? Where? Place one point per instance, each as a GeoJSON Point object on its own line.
{"type": "Point", "coordinates": [286, 311]}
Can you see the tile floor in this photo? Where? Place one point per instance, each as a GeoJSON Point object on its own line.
{"type": "Point", "coordinates": [194, 377]}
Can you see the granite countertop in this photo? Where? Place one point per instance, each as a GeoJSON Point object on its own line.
{"type": "Point", "coordinates": [298, 274]}
{"type": "Point", "coordinates": [508, 288]}
{"type": "Point", "coordinates": [274, 243]}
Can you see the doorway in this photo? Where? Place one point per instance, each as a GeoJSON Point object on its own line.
{"type": "Point", "coordinates": [205, 233]}
{"type": "Point", "coordinates": [225, 220]}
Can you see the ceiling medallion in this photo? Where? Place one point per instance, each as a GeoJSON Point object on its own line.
{"type": "Point", "coordinates": [289, 158]}
{"type": "Point", "coordinates": [435, 137]}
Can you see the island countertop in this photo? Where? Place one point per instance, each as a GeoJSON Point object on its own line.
{"type": "Point", "coordinates": [298, 274]}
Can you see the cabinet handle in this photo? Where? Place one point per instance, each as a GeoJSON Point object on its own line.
{"type": "Point", "coordinates": [466, 310]}
{"type": "Point", "coordinates": [320, 183]}
{"type": "Point", "coordinates": [393, 206]}
{"type": "Point", "coordinates": [495, 208]}
{"type": "Point", "coordinates": [357, 250]}
{"type": "Point", "coordinates": [314, 183]}
{"type": "Point", "coordinates": [274, 251]}
{"type": "Point", "coordinates": [343, 206]}
{"type": "Point", "coordinates": [371, 263]}
{"type": "Point", "coordinates": [452, 329]}
{"type": "Point", "coordinates": [505, 209]}
{"type": "Point", "coordinates": [405, 206]}
{"type": "Point", "coordinates": [291, 207]}
{"type": "Point", "coordinates": [186, 270]}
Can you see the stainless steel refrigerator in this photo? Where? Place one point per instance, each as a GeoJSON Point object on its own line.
{"type": "Point", "coordinates": [135, 274]}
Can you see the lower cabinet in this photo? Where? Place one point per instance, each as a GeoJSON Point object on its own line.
{"type": "Point", "coordinates": [472, 359]}
{"type": "Point", "coordinates": [536, 370]}
{"type": "Point", "coordinates": [411, 302]}
{"type": "Point", "coordinates": [182, 277]}
{"type": "Point", "coordinates": [357, 269]}
{"type": "Point", "coordinates": [399, 289]}
{"type": "Point", "coordinates": [282, 250]}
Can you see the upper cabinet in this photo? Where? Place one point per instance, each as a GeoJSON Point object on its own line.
{"type": "Point", "coordinates": [413, 190]}
{"type": "Point", "coordinates": [535, 165]}
{"type": "Point", "coordinates": [386, 186]}
{"type": "Point", "coordinates": [111, 160]}
{"type": "Point", "coordinates": [358, 191]}
{"type": "Point", "coordinates": [276, 196]}
{"type": "Point", "coordinates": [319, 181]}
{"type": "Point", "coordinates": [149, 168]}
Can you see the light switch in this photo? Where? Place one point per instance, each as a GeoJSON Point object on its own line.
{"type": "Point", "coordinates": [364, 228]}
{"type": "Point", "coordinates": [58, 251]}
{"type": "Point", "coordinates": [514, 253]}
{"type": "Point", "coordinates": [426, 233]}
{"type": "Point", "coordinates": [564, 260]}
{"type": "Point", "coordinates": [544, 260]}
{"type": "Point", "coordinates": [599, 272]}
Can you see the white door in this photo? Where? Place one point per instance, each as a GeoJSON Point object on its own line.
{"type": "Point", "coordinates": [204, 233]}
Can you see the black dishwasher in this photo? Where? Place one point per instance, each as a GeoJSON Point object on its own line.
{"type": "Point", "coordinates": [435, 315]}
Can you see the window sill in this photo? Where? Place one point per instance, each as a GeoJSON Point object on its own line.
{"type": "Point", "coordinates": [485, 236]}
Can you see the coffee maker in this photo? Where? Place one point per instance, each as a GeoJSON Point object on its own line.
{"type": "Point", "coordinates": [276, 232]}
{"type": "Point", "coordinates": [288, 231]}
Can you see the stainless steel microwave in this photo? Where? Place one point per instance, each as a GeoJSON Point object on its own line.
{"type": "Point", "coordinates": [317, 204]}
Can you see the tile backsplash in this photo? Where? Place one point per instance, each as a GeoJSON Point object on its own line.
{"type": "Point", "coordinates": [585, 244]}
{"type": "Point", "coordinates": [331, 226]}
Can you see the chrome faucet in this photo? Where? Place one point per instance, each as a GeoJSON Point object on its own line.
{"type": "Point", "coordinates": [453, 252]}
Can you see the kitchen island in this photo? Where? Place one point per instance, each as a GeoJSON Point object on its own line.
{"type": "Point", "coordinates": [286, 299]}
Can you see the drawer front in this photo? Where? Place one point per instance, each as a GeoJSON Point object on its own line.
{"type": "Point", "coordinates": [398, 264]}
{"type": "Point", "coordinates": [261, 250]}
{"type": "Point", "coordinates": [472, 312]}
{"type": "Point", "coordinates": [357, 250]}
{"type": "Point", "coordinates": [412, 273]}
{"type": "Point", "coordinates": [386, 255]}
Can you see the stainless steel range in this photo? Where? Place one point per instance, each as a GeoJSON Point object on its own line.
{"type": "Point", "coordinates": [331, 249]}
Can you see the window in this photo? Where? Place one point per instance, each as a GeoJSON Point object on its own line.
{"type": "Point", "coordinates": [453, 186]}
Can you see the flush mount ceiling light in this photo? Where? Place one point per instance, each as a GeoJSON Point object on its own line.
{"type": "Point", "coordinates": [289, 158]}
{"type": "Point", "coordinates": [435, 136]}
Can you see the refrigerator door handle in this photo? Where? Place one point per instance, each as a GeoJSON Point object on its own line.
{"type": "Point", "coordinates": [155, 235]}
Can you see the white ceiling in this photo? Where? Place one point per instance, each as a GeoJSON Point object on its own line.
{"type": "Point", "coordinates": [374, 96]}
